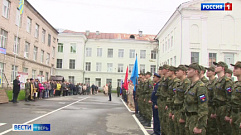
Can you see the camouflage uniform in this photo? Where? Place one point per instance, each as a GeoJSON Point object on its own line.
{"type": "Point", "coordinates": [221, 99]}
{"type": "Point", "coordinates": [236, 105]}
{"type": "Point", "coordinates": [211, 127]}
{"type": "Point", "coordinates": [172, 86]}
{"type": "Point", "coordinates": [178, 105]}
{"type": "Point", "coordinates": [196, 105]}
{"type": "Point", "coordinates": [138, 96]}
{"type": "Point", "coordinates": [204, 80]}
{"type": "Point", "coordinates": [148, 88]}
{"type": "Point", "coordinates": [162, 96]}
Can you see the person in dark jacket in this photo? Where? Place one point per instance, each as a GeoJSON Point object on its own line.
{"type": "Point", "coordinates": [16, 89]}
{"type": "Point", "coordinates": [118, 91]}
{"type": "Point", "coordinates": [93, 89]}
{"type": "Point", "coordinates": [109, 91]}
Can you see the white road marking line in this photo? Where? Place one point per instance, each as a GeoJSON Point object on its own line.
{"type": "Point", "coordinates": [140, 125]}
{"type": "Point", "coordinates": [127, 106]}
{"type": "Point", "coordinates": [9, 130]}
{"type": "Point", "coordinates": [1, 124]}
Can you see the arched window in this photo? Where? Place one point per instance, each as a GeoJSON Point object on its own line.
{"type": "Point", "coordinates": [228, 30]}
{"type": "Point", "coordinates": [194, 34]}
{"type": "Point", "coordinates": [132, 36]}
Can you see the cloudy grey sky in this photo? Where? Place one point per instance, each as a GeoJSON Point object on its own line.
{"type": "Point", "coordinates": [108, 16]}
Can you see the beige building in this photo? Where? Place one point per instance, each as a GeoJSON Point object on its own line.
{"type": "Point", "coordinates": [98, 58]}
{"type": "Point", "coordinates": [34, 45]}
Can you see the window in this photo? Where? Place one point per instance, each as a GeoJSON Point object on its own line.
{"type": "Point", "coordinates": [18, 18]}
{"type": "Point", "coordinates": [42, 56]}
{"type": "Point", "coordinates": [108, 81]}
{"type": "Point", "coordinates": [87, 80]}
{"type": "Point", "coordinates": [53, 52]}
{"type": "Point", "coordinates": [143, 54]}
{"type": "Point", "coordinates": [98, 66]}
{"type": "Point", "coordinates": [26, 50]}
{"type": "Point", "coordinates": [33, 74]}
{"type": "Point", "coordinates": [153, 54]}
{"type": "Point", "coordinates": [29, 24]}
{"type": "Point", "coordinates": [99, 52]}
{"type": "Point", "coordinates": [110, 53]}
{"type": "Point", "coordinates": [14, 73]}
{"type": "Point", "coordinates": [59, 63]}
{"type": "Point", "coordinates": [71, 79]}
{"type": "Point", "coordinates": [132, 53]}
{"type": "Point", "coordinates": [98, 82]}
{"type": "Point", "coordinates": [171, 61]}
{"type": "Point", "coordinates": [49, 39]}
{"type": "Point", "coordinates": [131, 67]}
{"type": "Point", "coordinates": [46, 76]}
{"type": "Point", "coordinates": [1, 69]}
{"type": "Point", "coordinates": [16, 45]}
{"type": "Point", "coordinates": [169, 45]}
{"type": "Point", "coordinates": [43, 35]}
{"type": "Point", "coordinates": [47, 59]}
{"type": "Point", "coordinates": [121, 53]}
{"type": "Point", "coordinates": [73, 48]}
{"type": "Point", "coordinates": [153, 68]}
{"type": "Point", "coordinates": [168, 62]}
{"type": "Point", "coordinates": [166, 46]}
{"type": "Point", "coordinates": [41, 73]}
{"type": "Point", "coordinates": [119, 82]}
{"type": "Point", "coordinates": [212, 58]}
{"type": "Point", "coordinates": [87, 66]}
{"type": "Point", "coordinates": [54, 39]}
{"type": "Point", "coordinates": [120, 68]}
{"type": "Point", "coordinates": [6, 8]}
{"type": "Point", "coordinates": [142, 68]}
{"type": "Point", "coordinates": [109, 67]}
{"type": "Point", "coordinates": [71, 64]}
{"type": "Point", "coordinates": [195, 57]}
{"type": "Point", "coordinates": [88, 52]}
{"type": "Point", "coordinates": [25, 70]}
{"type": "Point", "coordinates": [4, 37]}
{"type": "Point", "coordinates": [60, 47]}
{"type": "Point", "coordinates": [36, 31]}
{"type": "Point", "coordinates": [35, 52]}
{"type": "Point", "coordinates": [175, 60]}
{"type": "Point", "coordinates": [163, 48]}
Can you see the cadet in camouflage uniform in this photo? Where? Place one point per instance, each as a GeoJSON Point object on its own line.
{"type": "Point", "coordinates": [148, 88]}
{"type": "Point", "coordinates": [229, 73]}
{"type": "Point", "coordinates": [142, 97]}
{"type": "Point", "coordinates": [212, 126]}
{"type": "Point", "coordinates": [195, 102]}
{"type": "Point", "coordinates": [235, 101]}
{"type": "Point", "coordinates": [221, 99]}
{"type": "Point", "coordinates": [162, 96]}
{"type": "Point", "coordinates": [138, 95]}
{"type": "Point", "coordinates": [172, 86]}
{"type": "Point", "coordinates": [179, 116]}
{"type": "Point", "coordinates": [202, 77]}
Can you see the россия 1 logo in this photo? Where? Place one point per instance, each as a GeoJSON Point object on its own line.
{"type": "Point", "coordinates": [216, 6]}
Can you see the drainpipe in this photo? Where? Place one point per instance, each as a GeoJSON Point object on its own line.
{"type": "Point", "coordinates": [181, 34]}
{"type": "Point", "coordinates": [84, 60]}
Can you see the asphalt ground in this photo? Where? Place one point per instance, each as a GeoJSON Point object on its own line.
{"type": "Point", "coordinates": [71, 115]}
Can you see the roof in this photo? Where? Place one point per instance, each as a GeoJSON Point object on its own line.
{"type": "Point", "coordinates": [120, 36]}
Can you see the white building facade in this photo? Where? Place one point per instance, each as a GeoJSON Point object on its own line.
{"type": "Point", "coordinates": [103, 57]}
{"type": "Point", "coordinates": [192, 35]}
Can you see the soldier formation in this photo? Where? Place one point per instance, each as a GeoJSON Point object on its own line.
{"type": "Point", "coordinates": [183, 101]}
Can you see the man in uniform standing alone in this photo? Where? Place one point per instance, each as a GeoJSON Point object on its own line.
{"type": "Point", "coordinates": [109, 90]}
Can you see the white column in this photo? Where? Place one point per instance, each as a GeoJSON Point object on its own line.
{"type": "Point", "coordinates": [185, 49]}
{"type": "Point", "coordinates": [204, 44]}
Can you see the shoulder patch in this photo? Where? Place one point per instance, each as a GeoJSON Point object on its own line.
{"type": "Point", "coordinates": [229, 90]}
{"type": "Point", "coordinates": [202, 84]}
{"type": "Point", "coordinates": [203, 98]}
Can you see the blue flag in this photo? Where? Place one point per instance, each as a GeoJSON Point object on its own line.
{"type": "Point", "coordinates": [134, 74]}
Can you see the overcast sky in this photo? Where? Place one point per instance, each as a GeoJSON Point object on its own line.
{"type": "Point", "coordinates": [108, 16]}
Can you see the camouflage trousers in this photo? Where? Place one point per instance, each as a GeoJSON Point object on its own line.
{"type": "Point", "coordinates": [162, 115]}
{"type": "Point", "coordinates": [140, 105]}
{"type": "Point", "coordinates": [170, 122]}
{"type": "Point", "coordinates": [179, 127]}
{"type": "Point", "coordinates": [148, 111]}
{"type": "Point", "coordinates": [27, 93]}
{"type": "Point", "coordinates": [236, 120]}
{"type": "Point", "coordinates": [211, 126]}
{"type": "Point", "coordinates": [191, 122]}
{"type": "Point", "coordinates": [223, 126]}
